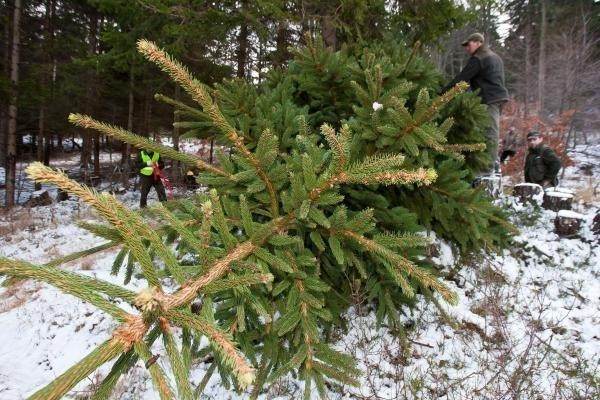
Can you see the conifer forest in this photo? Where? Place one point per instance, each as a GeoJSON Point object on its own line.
{"type": "Point", "coordinates": [327, 231]}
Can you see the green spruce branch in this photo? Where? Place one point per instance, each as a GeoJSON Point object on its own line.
{"type": "Point", "coordinates": [141, 142]}
{"type": "Point", "coordinates": [65, 382]}
{"type": "Point", "coordinates": [68, 283]}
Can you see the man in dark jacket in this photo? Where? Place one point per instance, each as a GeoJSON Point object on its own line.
{"type": "Point", "coordinates": [150, 166]}
{"type": "Point", "coordinates": [485, 71]}
{"type": "Point", "coordinates": [542, 164]}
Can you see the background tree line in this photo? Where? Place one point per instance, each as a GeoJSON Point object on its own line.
{"type": "Point", "coordinates": [61, 56]}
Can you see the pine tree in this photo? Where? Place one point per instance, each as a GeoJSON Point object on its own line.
{"type": "Point", "coordinates": [262, 264]}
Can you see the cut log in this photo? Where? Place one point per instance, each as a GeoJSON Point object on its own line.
{"type": "Point", "coordinates": [567, 223]}
{"type": "Point", "coordinates": [39, 198]}
{"type": "Point", "coordinates": [556, 200]}
{"type": "Point", "coordinates": [528, 192]}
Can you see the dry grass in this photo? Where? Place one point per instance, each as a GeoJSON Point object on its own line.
{"type": "Point", "coordinates": [17, 294]}
{"type": "Point", "coordinates": [87, 264]}
{"type": "Point", "coordinates": [16, 221]}
{"type": "Point", "coordinates": [53, 252]}
{"type": "Point", "coordinates": [128, 387]}
{"type": "Point", "coordinates": [589, 192]}
{"type": "Point", "coordinates": [22, 219]}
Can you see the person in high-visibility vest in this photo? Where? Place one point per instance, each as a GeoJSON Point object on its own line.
{"type": "Point", "coordinates": [150, 166]}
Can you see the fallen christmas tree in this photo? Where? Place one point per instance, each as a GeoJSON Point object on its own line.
{"type": "Point", "coordinates": [277, 243]}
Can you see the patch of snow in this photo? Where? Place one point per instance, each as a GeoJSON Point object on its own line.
{"type": "Point", "coordinates": [570, 214]}
{"type": "Point", "coordinates": [561, 195]}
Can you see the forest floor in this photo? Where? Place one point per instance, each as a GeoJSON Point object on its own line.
{"type": "Point", "coordinates": [526, 325]}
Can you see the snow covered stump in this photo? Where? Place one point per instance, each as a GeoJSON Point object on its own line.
{"type": "Point", "coordinates": [596, 224]}
{"type": "Point", "coordinates": [93, 181]}
{"type": "Point", "coordinates": [61, 195]}
{"type": "Point", "coordinates": [39, 198]}
{"type": "Point", "coordinates": [492, 184]}
{"type": "Point", "coordinates": [567, 223]}
{"type": "Point", "coordinates": [557, 199]}
{"type": "Point", "coordinates": [527, 192]}
{"type": "Point", "coordinates": [118, 190]}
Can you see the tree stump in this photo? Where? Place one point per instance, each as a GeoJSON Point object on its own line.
{"type": "Point", "coordinates": [61, 195]}
{"type": "Point", "coordinates": [118, 190]}
{"type": "Point", "coordinates": [190, 181]}
{"type": "Point", "coordinates": [596, 224]}
{"type": "Point", "coordinates": [527, 192]}
{"type": "Point", "coordinates": [492, 185]}
{"type": "Point", "coordinates": [567, 223]}
{"type": "Point", "coordinates": [93, 181]}
{"type": "Point", "coordinates": [557, 199]}
{"type": "Point", "coordinates": [39, 198]}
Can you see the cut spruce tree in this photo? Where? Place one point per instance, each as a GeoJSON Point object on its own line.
{"type": "Point", "coordinates": [305, 209]}
{"type": "Point", "coordinates": [385, 93]}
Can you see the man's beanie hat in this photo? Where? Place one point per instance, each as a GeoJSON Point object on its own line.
{"type": "Point", "coordinates": [533, 135]}
{"type": "Point", "coordinates": [477, 37]}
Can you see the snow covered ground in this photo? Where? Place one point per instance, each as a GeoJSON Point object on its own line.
{"type": "Point", "coordinates": [527, 325]}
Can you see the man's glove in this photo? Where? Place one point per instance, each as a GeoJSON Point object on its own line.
{"type": "Point", "coordinates": [149, 163]}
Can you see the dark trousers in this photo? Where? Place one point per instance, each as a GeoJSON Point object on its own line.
{"type": "Point", "coordinates": [506, 154]}
{"type": "Point", "coordinates": [148, 183]}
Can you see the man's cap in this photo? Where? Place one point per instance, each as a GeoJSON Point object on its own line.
{"type": "Point", "coordinates": [533, 135]}
{"type": "Point", "coordinates": [477, 37]}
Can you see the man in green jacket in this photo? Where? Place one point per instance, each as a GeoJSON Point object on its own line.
{"type": "Point", "coordinates": [150, 166]}
{"type": "Point", "coordinates": [485, 71]}
{"type": "Point", "coordinates": [542, 164]}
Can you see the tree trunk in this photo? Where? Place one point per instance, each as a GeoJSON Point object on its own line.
{"type": "Point", "coordinates": [59, 134]}
{"type": "Point", "coordinates": [11, 145]}
{"type": "Point", "coordinates": [542, 59]}
{"type": "Point", "coordinates": [176, 132]}
{"type": "Point", "coordinates": [242, 53]}
{"type": "Point", "coordinates": [527, 72]}
{"type": "Point", "coordinates": [125, 150]}
{"type": "Point", "coordinates": [48, 58]}
{"type": "Point", "coordinates": [3, 102]}
{"type": "Point", "coordinates": [97, 139]}
{"type": "Point", "coordinates": [87, 135]}
{"type": "Point", "coordinates": [86, 153]}
{"type": "Point", "coordinates": [94, 49]}
{"type": "Point", "coordinates": [329, 32]}
{"type": "Point", "coordinates": [146, 114]}
{"type": "Point", "coordinates": [281, 55]}
{"type": "Point", "coordinates": [40, 139]}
